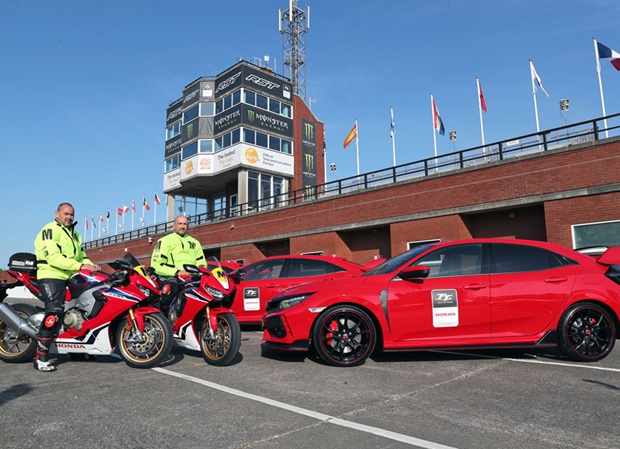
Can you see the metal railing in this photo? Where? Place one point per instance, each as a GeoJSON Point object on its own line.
{"type": "Point", "coordinates": [555, 138]}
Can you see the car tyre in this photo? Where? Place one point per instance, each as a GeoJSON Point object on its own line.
{"type": "Point", "coordinates": [344, 336]}
{"type": "Point", "coordinates": [587, 332]}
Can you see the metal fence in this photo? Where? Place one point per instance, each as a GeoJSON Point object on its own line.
{"type": "Point", "coordinates": [552, 139]}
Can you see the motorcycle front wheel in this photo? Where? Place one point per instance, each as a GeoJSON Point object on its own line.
{"type": "Point", "coordinates": [224, 346]}
{"type": "Point", "coordinates": [17, 348]}
{"type": "Point", "coordinates": [146, 350]}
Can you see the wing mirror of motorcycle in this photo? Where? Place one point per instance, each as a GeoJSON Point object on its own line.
{"type": "Point", "coordinates": [237, 275]}
{"type": "Point", "coordinates": [191, 269]}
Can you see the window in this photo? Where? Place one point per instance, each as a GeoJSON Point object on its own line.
{"type": "Point", "coordinates": [249, 97]}
{"type": "Point", "coordinates": [189, 150]}
{"type": "Point", "coordinates": [172, 163]}
{"type": "Point", "coordinates": [461, 260]}
{"type": "Point", "coordinates": [589, 235]}
{"type": "Point", "coordinates": [274, 105]}
{"type": "Point", "coordinates": [264, 188]}
{"type": "Point", "coordinates": [207, 109]}
{"type": "Point", "coordinates": [226, 140]}
{"type": "Point", "coordinates": [235, 136]}
{"type": "Point", "coordinates": [269, 269]}
{"type": "Point", "coordinates": [285, 110]}
{"type": "Point", "coordinates": [261, 101]}
{"type": "Point", "coordinates": [261, 139]}
{"type": "Point", "coordinates": [190, 114]}
{"type": "Point", "coordinates": [249, 136]}
{"type": "Point", "coordinates": [311, 267]}
{"type": "Point", "coordinates": [206, 146]}
{"type": "Point", "coordinates": [218, 144]}
{"type": "Point", "coordinates": [508, 258]}
{"type": "Point", "coordinates": [173, 130]}
{"type": "Point", "coordinates": [274, 143]}
{"type": "Point", "coordinates": [236, 97]}
{"type": "Point", "coordinates": [286, 146]}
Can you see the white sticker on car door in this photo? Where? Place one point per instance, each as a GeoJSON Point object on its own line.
{"type": "Point", "coordinates": [445, 308]}
{"type": "Point", "coordinates": [251, 298]}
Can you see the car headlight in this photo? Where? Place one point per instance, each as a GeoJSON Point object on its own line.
{"type": "Point", "coordinates": [286, 301]}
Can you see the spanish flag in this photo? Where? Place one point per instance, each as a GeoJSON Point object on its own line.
{"type": "Point", "coordinates": [352, 135]}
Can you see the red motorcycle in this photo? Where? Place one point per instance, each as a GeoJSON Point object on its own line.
{"type": "Point", "coordinates": [102, 313]}
{"type": "Point", "coordinates": [200, 317]}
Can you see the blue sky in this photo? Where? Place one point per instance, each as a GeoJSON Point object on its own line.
{"type": "Point", "coordinates": [84, 84]}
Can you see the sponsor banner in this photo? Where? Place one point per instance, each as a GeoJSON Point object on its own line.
{"type": "Point", "coordinates": [445, 308]}
{"type": "Point", "coordinates": [262, 81]}
{"type": "Point", "coordinates": [267, 121]}
{"type": "Point", "coordinates": [227, 82]}
{"type": "Point", "coordinates": [172, 180]}
{"type": "Point", "coordinates": [173, 146]}
{"type": "Point", "coordinates": [309, 156]}
{"type": "Point", "coordinates": [174, 113]}
{"type": "Point", "coordinates": [237, 156]}
{"type": "Point", "coordinates": [227, 119]}
{"type": "Point", "coordinates": [207, 90]}
{"type": "Point", "coordinates": [191, 95]}
{"type": "Point", "coordinates": [189, 131]}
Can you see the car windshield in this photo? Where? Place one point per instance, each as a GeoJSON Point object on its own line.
{"type": "Point", "coordinates": [395, 262]}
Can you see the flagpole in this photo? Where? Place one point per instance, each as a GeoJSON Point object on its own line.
{"type": "Point", "coordinates": [155, 209]}
{"type": "Point", "coordinates": [600, 85]}
{"type": "Point", "coordinates": [107, 223]}
{"type": "Point", "coordinates": [85, 227]}
{"type": "Point", "coordinates": [534, 95]}
{"type": "Point", "coordinates": [99, 228]}
{"type": "Point", "coordinates": [393, 134]}
{"type": "Point", "coordinates": [91, 229]}
{"type": "Point", "coordinates": [357, 147]}
{"type": "Point", "coordinates": [116, 221]}
{"type": "Point", "coordinates": [133, 210]}
{"type": "Point", "coordinates": [480, 111]}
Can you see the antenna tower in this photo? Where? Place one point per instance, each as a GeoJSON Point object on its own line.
{"type": "Point", "coordinates": [294, 23]}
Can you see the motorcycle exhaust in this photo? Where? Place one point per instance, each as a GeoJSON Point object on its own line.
{"type": "Point", "coordinates": [16, 322]}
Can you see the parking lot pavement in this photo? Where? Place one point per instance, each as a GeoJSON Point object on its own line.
{"type": "Point", "coordinates": [501, 399]}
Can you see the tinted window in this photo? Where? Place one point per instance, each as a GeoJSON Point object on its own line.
{"type": "Point", "coordinates": [308, 267]}
{"type": "Point", "coordinates": [519, 258]}
{"type": "Point", "coordinates": [461, 260]}
{"type": "Point", "coordinates": [269, 269]}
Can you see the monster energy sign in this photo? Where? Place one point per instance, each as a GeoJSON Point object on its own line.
{"type": "Point", "coordinates": [271, 123]}
{"type": "Point", "coordinates": [309, 156]}
{"type": "Point", "coordinates": [227, 119]}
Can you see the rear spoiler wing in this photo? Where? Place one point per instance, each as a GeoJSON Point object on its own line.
{"type": "Point", "coordinates": [610, 257]}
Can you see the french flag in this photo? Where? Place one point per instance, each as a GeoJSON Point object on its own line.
{"type": "Point", "coordinates": [606, 52]}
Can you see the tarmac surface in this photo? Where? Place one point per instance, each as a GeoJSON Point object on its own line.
{"type": "Point", "coordinates": [499, 399]}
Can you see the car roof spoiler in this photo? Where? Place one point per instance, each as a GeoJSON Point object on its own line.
{"type": "Point", "coordinates": [610, 257]}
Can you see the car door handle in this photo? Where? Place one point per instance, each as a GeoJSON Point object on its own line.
{"type": "Point", "coordinates": [475, 286]}
{"type": "Point", "coordinates": [556, 279]}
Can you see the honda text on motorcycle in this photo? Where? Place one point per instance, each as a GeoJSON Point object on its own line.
{"type": "Point", "coordinates": [103, 313]}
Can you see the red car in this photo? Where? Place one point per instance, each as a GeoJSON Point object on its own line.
{"type": "Point", "coordinates": [469, 294]}
{"type": "Point", "coordinates": [258, 282]}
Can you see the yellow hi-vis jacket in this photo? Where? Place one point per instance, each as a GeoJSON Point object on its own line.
{"type": "Point", "coordinates": [59, 251]}
{"type": "Point", "coordinates": [173, 251]}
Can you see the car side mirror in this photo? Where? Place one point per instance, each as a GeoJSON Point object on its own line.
{"type": "Point", "coordinates": [415, 272]}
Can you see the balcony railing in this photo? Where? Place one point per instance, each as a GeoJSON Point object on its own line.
{"type": "Point", "coordinates": [562, 137]}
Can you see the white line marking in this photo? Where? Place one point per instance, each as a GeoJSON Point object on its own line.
{"type": "Point", "coordinates": [316, 415]}
{"type": "Point", "coordinates": [572, 365]}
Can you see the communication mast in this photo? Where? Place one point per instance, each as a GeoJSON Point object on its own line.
{"type": "Point", "coordinates": [294, 23]}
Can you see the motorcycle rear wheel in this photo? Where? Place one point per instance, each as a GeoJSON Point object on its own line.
{"type": "Point", "coordinates": [221, 350]}
{"type": "Point", "coordinates": [153, 349]}
{"type": "Point", "coordinates": [14, 348]}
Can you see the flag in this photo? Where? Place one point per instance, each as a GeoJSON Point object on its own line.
{"type": "Point", "coordinates": [145, 204]}
{"type": "Point", "coordinates": [352, 135]}
{"type": "Point", "coordinates": [437, 122]}
{"type": "Point", "coordinates": [119, 210]}
{"type": "Point", "coordinates": [536, 78]}
{"type": "Point", "coordinates": [606, 52]}
{"type": "Point", "coordinates": [133, 205]}
{"type": "Point", "coordinates": [108, 216]}
{"type": "Point", "coordinates": [483, 103]}
{"type": "Point", "coordinates": [125, 209]}
{"type": "Point", "coordinates": [392, 123]}
{"type": "Point", "coordinates": [100, 218]}
{"type": "Point", "coordinates": [157, 199]}
{"type": "Point", "coordinates": [86, 223]}
{"type": "Point", "coordinates": [93, 220]}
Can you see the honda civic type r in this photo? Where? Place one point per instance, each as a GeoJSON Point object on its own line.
{"type": "Point", "coordinates": [467, 294]}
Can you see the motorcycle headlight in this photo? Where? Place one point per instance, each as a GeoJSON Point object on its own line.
{"type": "Point", "coordinates": [286, 301]}
{"type": "Point", "coordinates": [215, 293]}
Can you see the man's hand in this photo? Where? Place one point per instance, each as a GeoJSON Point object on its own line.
{"type": "Point", "coordinates": [90, 267]}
